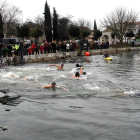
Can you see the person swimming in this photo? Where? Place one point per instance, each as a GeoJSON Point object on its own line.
{"type": "Point", "coordinates": [24, 78]}
{"type": "Point", "coordinates": [78, 65]}
{"type": "Point", "coordinates": [59, 67]}
{"type": "Point", "coordinates": [53, 86]}
{"type": "Point", "coordinates": [76, 76]}
{"type": "Point", "coordinates": [84, 73]}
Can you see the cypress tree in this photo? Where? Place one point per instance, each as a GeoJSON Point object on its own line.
{"type": "Point", "coordinates": [95, 30]}
{"type": "Point", "coordinates": [47, 23]}
{"type": "Point", "coordinates": [1, 27]}
{"type": "Point", "coordinates": [55, 25]}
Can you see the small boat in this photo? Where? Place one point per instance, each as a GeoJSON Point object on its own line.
{"type": "Point", "coordinates": [108, 58]}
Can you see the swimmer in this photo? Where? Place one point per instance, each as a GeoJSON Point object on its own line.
{"type": "Point", "coordinates": [84, 73]}
{"type": "Point", "coordinates": [28, 79]}
{"type": "Point", "coordinates": [24, 78]}
{"type": "Point", "coordinates": [59, 67]}
{"type": "Point", "coordinates": [53, 85]}
{"type": "Point", "coordinates": [77, 75]}
{"type": "Point", "coordinates": [78, 65]}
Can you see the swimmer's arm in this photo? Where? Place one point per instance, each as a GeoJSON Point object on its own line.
{"type": "Point", "coordinates": [54, 65]}
{"type": "Point", "coordinates": [24, 79]}
{"type": "Point", "coordinates": [64, 88]}
{"type": "Point", "coordinates": [46, 86]}
{"type": "Point", "coordinates": [81, 71]}
{"type": "Point", "coordinates": [72, 77]}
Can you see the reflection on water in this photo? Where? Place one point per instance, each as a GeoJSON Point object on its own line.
{"type": "Point", "coordinates": [103, 105]}
{"type": "Point", "coordinates": [12, 101]}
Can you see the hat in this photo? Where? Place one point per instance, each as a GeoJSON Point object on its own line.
{"type": "Point", "coordinates": [62, 64]}
{"type": "Point", "coordinates": [53, 83]}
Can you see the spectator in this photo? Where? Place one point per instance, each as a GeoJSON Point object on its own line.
{"type": "Point", "coordinates": [33, 46]}
{"type": "Point", "coordinates": [37, 49]}
{"type": "Point", "coordinates": [45, 47]}
{"type": "Point", "coordinates": [4, 51]}
{"type": "Point", "coordinates": [67, 47]}
{"type": "Point", "coordinates": [42, 48]}
{"type": "Point", "coordinates": [133, 43]}
{"type": "Point", "coordinates": [107, 44]}
{"type": "Point", "coordinates": [54, 46]}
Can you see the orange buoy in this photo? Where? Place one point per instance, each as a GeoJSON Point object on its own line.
{"type": "Point", "coordinates": [87, 53]}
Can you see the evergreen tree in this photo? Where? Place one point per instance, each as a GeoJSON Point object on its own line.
{"type": "Point", "coordinates": [85, 33]}
{"type": "Point", "coordinates": [95, 31]}
{"type": "Point", "coordinates": [130, 34]}
{"type": "Point", "coordinates": [1, 27]}
{"type": "Point", "coordinates": [47, 23]}
{"type": "Point", "coordinates": [63, 28]}
{"type": "Point", "coordinates": [23, 31]}
{"type": "Point", "coordinates": [55, 25]}
{"type": "Point", "coordinates": [36, 33]}
{"type": "Point", "coordinates": [74, 31]}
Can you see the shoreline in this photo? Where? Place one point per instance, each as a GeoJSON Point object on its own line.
{"type": "Point", "coordinates": [60, 55]}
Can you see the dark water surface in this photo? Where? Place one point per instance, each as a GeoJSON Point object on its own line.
{"type": "Point", "coordinates": [104, 105]}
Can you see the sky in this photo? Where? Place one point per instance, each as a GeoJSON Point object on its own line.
{"type": "Point", "coordinates": [80, 9]}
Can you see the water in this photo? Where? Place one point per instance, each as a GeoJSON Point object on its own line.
{"type": "Point", "coordinates": [104, 105]}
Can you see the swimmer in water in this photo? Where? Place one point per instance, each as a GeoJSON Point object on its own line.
{"type": "Point", "coordinates": [84, 73]}
{"type": "Point", "coordinates": [59, 67]}
{"type": "Point", "coordinates": [53, 85]}
{"type": "Point", "coordinates": [28, 79]}
{"type": "Point", "coordinates": [78, 66]}
{"type": "Point", "coordinates": [77, 74]}
{"type": "Point", "coordinates": [25, 79]}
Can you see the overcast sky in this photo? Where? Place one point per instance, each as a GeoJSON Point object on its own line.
{"type": "Point", "coordinates": [87, 9]}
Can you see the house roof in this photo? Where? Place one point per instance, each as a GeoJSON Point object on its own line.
{"type": "Point", "coordinates": [137, 23]}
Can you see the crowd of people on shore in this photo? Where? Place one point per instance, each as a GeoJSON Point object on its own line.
{"type": "Point", "coordinates": [48, 47]}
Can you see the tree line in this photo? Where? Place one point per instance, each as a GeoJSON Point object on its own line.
{"type": "Point", "coordinates": [59, 28]}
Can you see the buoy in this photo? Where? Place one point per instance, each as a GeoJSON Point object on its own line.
{"type": "Point", "coordinates": [87, 53]}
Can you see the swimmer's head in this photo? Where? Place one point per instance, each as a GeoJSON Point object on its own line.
{"type": "Point", "coordinates": [53, 83]}
{"type": "Point", "coordinates": [77, 74]}
{"type": "Point", "coordinates": [62, 64]}
{"type": "Point", "coordinates": [77, 65]}
{"type": "Point", "coordinates": [84, 73]}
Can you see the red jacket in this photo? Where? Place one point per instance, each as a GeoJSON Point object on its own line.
{"type": "Point", "coordinates": [41, 48]}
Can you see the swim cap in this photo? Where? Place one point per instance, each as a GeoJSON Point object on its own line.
{"type": "Point", "coordinates": [77, 74]}
{"type": "Point", "coordinates": [53, 83]}
{"type": "Point", "coordinates": [77, 65]}
{"type": "Point", "coordinates": [84, 73]}
{"type": "Point", "coordinates": [62, 64]}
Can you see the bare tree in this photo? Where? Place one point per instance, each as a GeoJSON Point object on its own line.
{"type": "Point", "coordinates": [84, 23]}
{"type": "Point", "coordinates": [11, 20]}
{"type": "Point", "coordinates": [10, 17]}
{"type": "Point", "coordinates": [119, 21]}
{"type": "Point", "coordinates": [39, 21]}
{"type": "Point", "coordinates": [3, 5]}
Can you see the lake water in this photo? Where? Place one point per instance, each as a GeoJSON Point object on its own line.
{"type": "Point", "coordinates": [103, 105]}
